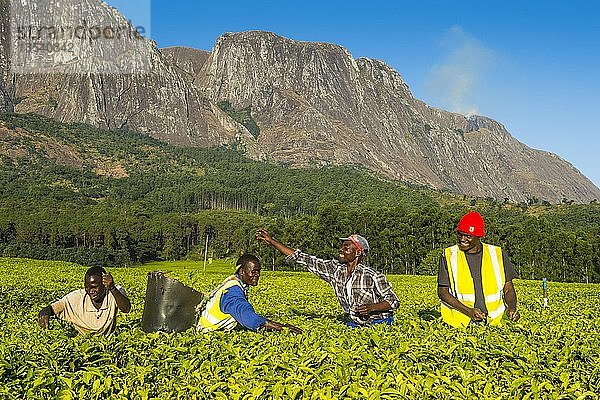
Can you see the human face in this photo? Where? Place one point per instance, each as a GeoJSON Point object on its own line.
{"type": "Point", "coordinates": [348, 252]}
{"type": "Point", "coordinates": [95, 288]}
{"type": "Point", "coordinates": [468, 243]}
{"type": "Point", "coordinates": [250, 273]}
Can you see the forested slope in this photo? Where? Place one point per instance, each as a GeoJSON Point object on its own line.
{"type": "Point", "coordinates": [78, 193]}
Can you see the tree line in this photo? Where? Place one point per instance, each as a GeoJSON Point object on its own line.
{"type": "Point", "coordinates": [406, 242]}
{"type": "Point", "coordinates": [172, 199]}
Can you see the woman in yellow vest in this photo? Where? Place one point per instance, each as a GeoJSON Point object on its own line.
{"type": "Point", "coordinates": [475, 278]}
{"type": "Point", "coordinates": [228, 304]}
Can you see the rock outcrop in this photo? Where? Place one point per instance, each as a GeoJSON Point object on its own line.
{"type": "Point", "coordinates": [315, 104]}
{"type": "Point", "coordinates": [301, 103]}
{"type": "Point", "coordinates": [6, 95]}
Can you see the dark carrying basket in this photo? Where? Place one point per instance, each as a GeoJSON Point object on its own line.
{"type": "Point", "coordinates": [169, 305]}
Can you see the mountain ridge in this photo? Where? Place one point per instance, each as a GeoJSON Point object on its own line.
{"type": "Point", "coordinates": [311, 103]}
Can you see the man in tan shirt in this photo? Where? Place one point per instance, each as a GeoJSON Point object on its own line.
{"type": "Point", "coordinates": [92, 309]}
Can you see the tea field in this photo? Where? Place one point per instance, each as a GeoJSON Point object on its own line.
{"type": "Point", "coordinates": [551, 353]}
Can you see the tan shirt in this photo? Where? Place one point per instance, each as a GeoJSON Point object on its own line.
{"type": "Point", "coordinates": [78, 309]}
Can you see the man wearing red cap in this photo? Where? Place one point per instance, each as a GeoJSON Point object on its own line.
{"type": "Point", "coordinates": [475, 278]}
{"type": "Point", "coordinates": [364, 293]}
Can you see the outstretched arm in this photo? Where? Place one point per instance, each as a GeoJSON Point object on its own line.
{"type": "Point", "coordinates": [323, 268]}
{"type": "Point", "coordinates": [276, 326]}
{"type": "Point", "coordinates": [234, 303]}
{"type": "Point", "coordinates": [262, 234]}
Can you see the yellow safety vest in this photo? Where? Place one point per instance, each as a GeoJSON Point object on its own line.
{"type": "Point", "coordinates": [212, 318]}
{"type": "Point", "coordinates": [462, 287]}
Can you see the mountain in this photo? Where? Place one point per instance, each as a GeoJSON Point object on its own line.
{"type": "Point", "coordinates": [82, 194]}
{"type": "Point", "coordinates": [47, 164]}
{"type": "Point", "coordinates": [5, 101]}
{"type": "Point", "coordinates": [157, 101]}
{"type": "Point", "coordinates": [315, 104]}
{"type": "Point", "coordinates": [302, 103]}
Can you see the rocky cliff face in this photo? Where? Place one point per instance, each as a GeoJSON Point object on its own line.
{"type": "Point", "coordinates": [301, 103]}
{"type": "Point", "coordinates": [5, 84]}
{"type": "Point", "coordinates": [315, 104]}
{"type": "Point", "coordinates": [158, 100]}
{"type": "Point", "coordinates": [186, 60]}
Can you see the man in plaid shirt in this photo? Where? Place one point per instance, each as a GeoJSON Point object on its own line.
{"type": "Point", "coordinates": [364, 293]}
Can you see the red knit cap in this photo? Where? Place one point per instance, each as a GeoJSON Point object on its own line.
{"type": "Point", "coordinates": [472, 223]}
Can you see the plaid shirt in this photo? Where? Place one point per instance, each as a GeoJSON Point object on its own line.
{"type": "Point", "coordinates": [365, 285]}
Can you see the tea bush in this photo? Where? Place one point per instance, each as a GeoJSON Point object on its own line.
{"type": "Point", "coordinates": [551, 353]}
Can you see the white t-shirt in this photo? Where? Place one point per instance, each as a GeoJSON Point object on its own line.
{"type": "Point", "coordinates": [78, 309]}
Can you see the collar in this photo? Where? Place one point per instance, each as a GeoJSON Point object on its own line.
{"type": "Point", "coordinates": [244, 286]}
{"type": "Point", "coordinates": [359, 267]}
{"type": "Point", "coordinates": [477, 253]}
{"type": "Point", "coordinates": [88, 304]}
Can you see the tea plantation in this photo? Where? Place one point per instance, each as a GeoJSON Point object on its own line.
{"type": "Point", "coordinates": [551, 353]}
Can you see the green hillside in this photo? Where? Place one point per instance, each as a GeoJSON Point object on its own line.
{"type": "Point", "coordinates": [78, 193]}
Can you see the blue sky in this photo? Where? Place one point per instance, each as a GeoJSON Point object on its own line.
{"type": "Point", "coordinates": [532, 65]}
